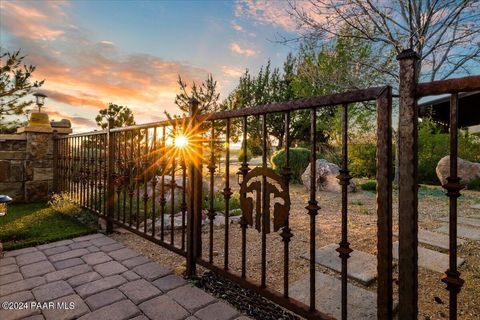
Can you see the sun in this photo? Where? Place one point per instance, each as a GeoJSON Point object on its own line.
{"type": "Point", "coordinates": [181, 141]}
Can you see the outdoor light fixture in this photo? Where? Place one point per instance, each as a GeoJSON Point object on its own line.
{"type": "Point", "coordinates": [4, 200]}
{"type": "Point", "coordinates": [40, 99]}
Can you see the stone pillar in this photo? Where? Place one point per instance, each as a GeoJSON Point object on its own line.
{"type": "Point", "coordinates": [12, 165]}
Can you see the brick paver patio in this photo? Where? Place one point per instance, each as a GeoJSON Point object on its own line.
{"type": "Point", "coordinates": [98, 278]}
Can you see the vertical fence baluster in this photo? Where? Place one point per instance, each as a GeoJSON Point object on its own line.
{"type": "Point", "coordinates": [452, 276]}
{"type": "Point", "coordinates": [125, 156]}
{"type": "Point", "coordinates": [118, 174]}
{"type": "Point", "coordinates": [384, 177]}
{"type": "Point", "coordinates": [312, 203]}
{"type": "Point", "coordinates": [138, 178]}
{"type": "Point", "coordinates": [211, 211]}
{"type": "Point", "coordinates": [131, 178]}
{"type": "Point", "coordinates": [80, 171]}
{"type": "Point", "coordinates": [70, 167]}
{"type": "Point", "coordinates": [243, 172]}
{"type": "Point", "coordinates": [74, 171]}
{"type": "Point", "coordinates": [227, 193]}
{"type": "Point", "coordinates": [92, 172]}
{"type": "Point", "coordinates": [145, 181]}
{"type": "Point", "coordinates": [110, 175]}
{"type": "Point", "coordinates": [95, 172]}
{"type": "Point", "coordinates": [344, 179]}
{"type": "Point", "coordinates": [162, 185]}
{"type": "Point", "coordinates": [184, 198]}
{"type": "Point", "coordinates": [172, 195]}
{"type": "Point", "coordinates": [286, 233]}
{"type": "Point", "coordinates": [264, 214]}
{"type": "Point", "coordinates": [154, 157]}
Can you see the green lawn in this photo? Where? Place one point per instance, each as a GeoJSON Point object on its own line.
{"type": "Point", "coordinates": [32, 224]}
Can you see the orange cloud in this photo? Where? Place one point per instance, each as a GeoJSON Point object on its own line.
{"type": "Point", "coordinates": [236, 48]}
{"type": "Point", "coordinates": [81, 100]}
{"type": "Point", "coordinates": [83, 73]}
{"type": "Point", "coordinates": [29, 22]}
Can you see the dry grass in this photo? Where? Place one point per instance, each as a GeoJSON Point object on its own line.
{"type": "Point", "coordinates": [362, 236]}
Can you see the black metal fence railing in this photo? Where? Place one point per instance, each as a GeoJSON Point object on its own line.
{"type": "Point", "coordinates": [161, 181]}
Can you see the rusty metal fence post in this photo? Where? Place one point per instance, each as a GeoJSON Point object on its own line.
{"type": "Point", "coordinates": [408, 187]}
{"type": "Point", "coordinates": [194, 213]}
{"type": "Point", "coordinates": [384, 205]}
{"type": "Point", "coordinates": [109, 188]}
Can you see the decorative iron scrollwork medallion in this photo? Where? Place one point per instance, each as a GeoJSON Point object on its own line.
{"type": "Point", "coordinates": [251, 198]}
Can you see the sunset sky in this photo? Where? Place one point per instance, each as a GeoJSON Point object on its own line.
{"type": "Point", "coordinates": [131, 52]}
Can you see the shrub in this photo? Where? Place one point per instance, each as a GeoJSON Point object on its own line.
{"type": "Point", "coordinates": [474, 185]}
{"type": "Point", "coordinates": [433, 144]}
{"type": "Point", "coordinates": [362, 159]}
{"type": "Point", "coordinates": [299, 159]}
{"type": "Point", "coordinates": [63, 203]}
{"type": "Point", "coordinates": [241, 155]}
{"type": "Point", "coordinates": [255, 146]}
{"type": "Point", "coordinates": [219, 201]}
{"type": "Point", "coordinates": [369, 186]}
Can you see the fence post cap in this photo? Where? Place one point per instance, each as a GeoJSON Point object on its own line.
{"type": "Point", "coordinates": [408, 54]}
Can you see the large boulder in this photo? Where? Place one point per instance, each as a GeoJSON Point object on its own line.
{"type": "Point", "coordinates": [467, 171]}
{"type": "Point", "coordinates": [326, 179]}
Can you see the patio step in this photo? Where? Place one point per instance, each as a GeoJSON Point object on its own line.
{"type": "Point", "coordinates": [362, 266]}
{"type": "Point", "coordinates": [474, 222]}
{"type": "Point", "coordinates": [435, 239]}
{"type": "Point", "coordinates": [463, 231]}
{"type": "Point", "coordinates": [430, 259]}
{"type": "Point", "coordinates": [361, 303]}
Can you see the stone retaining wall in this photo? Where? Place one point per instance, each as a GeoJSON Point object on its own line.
{"type": "Point", "coordinates": [26, 166]}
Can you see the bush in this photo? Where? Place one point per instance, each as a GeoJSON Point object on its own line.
{"type": "Point", "coordinates": [219, 201]}
{"type": "Point", "coordinates": [241, 155]}
{"type": "Point", "coordinates": [433, 144]}
{"type": "Point", "coordinates": [299, 160]}
{"type": "Point", "coordinates": [63, 203]}
{"type": "Point", "coordinates": [369, 186]}
{"type": "Point", "coordinates": [362, 160]}
{"type": "Point", "coordinates": [255, 146]}
{"type": "Point", "coordinates": [474, 185]}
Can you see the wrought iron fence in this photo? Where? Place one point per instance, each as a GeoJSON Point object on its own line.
{"type": "Point", "coordinates": [159, 181]}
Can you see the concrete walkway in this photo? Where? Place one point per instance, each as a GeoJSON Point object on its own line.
{"type": "Point", "coordinates": [95, 277]}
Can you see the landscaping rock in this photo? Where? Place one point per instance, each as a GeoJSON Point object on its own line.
{"type": "Point", "coordinates": [467, 171]}
{"type": "Point", "coordinates": [326, 177]}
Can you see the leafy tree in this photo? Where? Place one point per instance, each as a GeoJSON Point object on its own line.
{"type": "Point", "coordinates": [205, 93]}
{"type": "Point", "coordinates": [444, 33]}
{"type": "Point", "coordinates": [121, 115]}
{"type": "Point", "coordinates": [15, 84]}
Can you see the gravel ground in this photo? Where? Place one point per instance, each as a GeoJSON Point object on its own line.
{"type": "Point", "coordinates": [433, 298]}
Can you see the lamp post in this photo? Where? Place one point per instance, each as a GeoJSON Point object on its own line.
{"type": "Point", "coordinates": [4, 200]}
{"type": "Point", "coordinates": [39, 99]}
